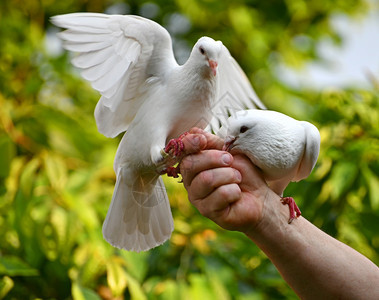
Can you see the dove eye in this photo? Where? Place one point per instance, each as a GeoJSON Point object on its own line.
{"type": "Point", "coordinates": [202, 51]}
{"type": "Point", "coordinates": [243, 129]}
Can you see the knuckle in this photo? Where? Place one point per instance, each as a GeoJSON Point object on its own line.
{"type": "Point", "coordinates": [224, 191]}
{"type": "Point", "coordinates": [206, 177]}
{"type": "Point", "coordinates": [230, 175]}
{"type": "Point", "coordinates": [203, 209]}
{"type": "Point", "coordinates": [191, 198]}
{"type": "Point", "coordinates": [230, 192]}
{"type": "Point", "coordinates": [186, 163]}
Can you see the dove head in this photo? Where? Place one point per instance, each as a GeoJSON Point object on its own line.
{"type": "Point", "coordinates": [240, 128]}
{"type": "Point", "coordinates": [207, 52]}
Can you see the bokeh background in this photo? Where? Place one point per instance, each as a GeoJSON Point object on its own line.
{"type": "Point", "coordinates": [56, 176]}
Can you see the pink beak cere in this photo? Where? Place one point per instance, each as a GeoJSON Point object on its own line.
{"type": "Point", "coordinates": [213, 66]}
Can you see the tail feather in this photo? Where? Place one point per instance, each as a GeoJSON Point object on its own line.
{"type": "Point", "coordinates": [139, 217]}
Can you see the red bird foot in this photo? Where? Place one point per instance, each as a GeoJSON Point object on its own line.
{"type": "Point", "coordinates": [176, 146]}
{"type": "Point", "coordinates": [294, 209]}
{"type": "Point", "coordinates": [171, 172]}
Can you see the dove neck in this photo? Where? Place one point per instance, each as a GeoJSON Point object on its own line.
{"type": "Point", "coordinates": [197, 88]}
{"type": "Point", "coordinates": [195, 67]}
{"type": "Point", "coordinates": [198, 80]}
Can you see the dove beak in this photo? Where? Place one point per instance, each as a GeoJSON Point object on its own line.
{"type": "Point", "coordinates": [213, 65]}
{"type": "Point", "coordinates": [228, 143]}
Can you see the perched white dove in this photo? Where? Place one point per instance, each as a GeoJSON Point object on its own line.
{"type": "Point", "coordinates": [130, 61]}
{"type": "Point", "coordinates": [283, 148]}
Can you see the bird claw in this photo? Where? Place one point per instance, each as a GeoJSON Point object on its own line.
{"type": "Point", "coordinates": [175, 147]}
{"type": "Point", "coordinates": [294, 209]}
{"type": "Point", "coordinates": [170, 153]}
{"type": "Point", "coordinates": [164, 154]}
{"type": "Point", "coordinates": [171, 172]}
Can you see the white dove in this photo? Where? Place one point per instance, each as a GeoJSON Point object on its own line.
{"type": "Point", "coordinates": [130, 61]}
{"type": "Point", "coordinates": [283, 148]}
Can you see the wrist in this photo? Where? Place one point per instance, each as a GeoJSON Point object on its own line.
{"type": "Point", "coordinates": [274, 222]}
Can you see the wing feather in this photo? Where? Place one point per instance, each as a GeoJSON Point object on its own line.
{"type": "Point", "coordinates": [116, 54]}
{"type": "Point", "coordinates": [93, 58]}
{"type": "Point", "coordinates": [85, 47]}
{"type": "Point", "coordinates": [100, 70]}
{"type": "Point", "coordinates": [88, 21]}
{"type": "Point", "coordinates": [83, 37]}
{"type": "Point", "coordinates": [108, 79]}
{"type": "Point", "coordinates": [234, 91]}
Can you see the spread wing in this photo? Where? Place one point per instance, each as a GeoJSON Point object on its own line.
{"type": "Point", "coordinates": [235, 92]}
{"type": "Point", "coordinates": [116, 54]}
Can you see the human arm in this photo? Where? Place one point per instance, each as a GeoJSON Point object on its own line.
{"type": "Point", "coordinates": [234, 195]}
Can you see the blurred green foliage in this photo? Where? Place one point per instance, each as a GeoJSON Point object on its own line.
{"type": "Point", "coordinates": [56, 176]}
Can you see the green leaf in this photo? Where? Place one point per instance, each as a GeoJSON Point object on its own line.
{"type": "Point", "coordinates": [56, 170]}
{"type": "Point", "coordinates": [14, 266]}
{"type": "Point", "coordinates": [200, 287]}
{"type": "Point", "coordinates": [373, 185]}
{"type": "Point", "coordinates": [342, 177]}
{"type": "Point", "coordinates": [135, 289]}
{"type": "Point", "coordinates": [116, 276]}
{"type": "Point", "coordinates": [82, 293]}
{"type": "Point", "coordinates": [218, 288]}
{"type": "Point", "coordinates": [136, 263]}
{"type": "Point", "coordinates": [7, 153]}
{"type": "Point", "coordinates": [6, 284]}
{"type": "Point", "coordinates": [28, 177]}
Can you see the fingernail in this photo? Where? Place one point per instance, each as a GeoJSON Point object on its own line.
{"type": "Point", "coordinates": [238, 175]}
{"type": "Point", "coordinates": [226, 159]}
{"type": "Point", "coordinates": [196, 141]}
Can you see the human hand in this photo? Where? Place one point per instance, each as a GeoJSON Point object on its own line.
{"type": "Point", "coordinates": [227, 189]}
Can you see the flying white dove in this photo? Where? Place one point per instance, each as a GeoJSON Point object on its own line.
{"type": "Point", "coordinates": [130, 61]}
{"type": "Point", "coordinates": [283, 148]}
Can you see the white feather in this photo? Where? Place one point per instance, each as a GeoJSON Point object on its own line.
{"type": "Point", "coordinates": [93, 58]}
{"type": "Point", "coordinates": [234, 91]}
{"type": "Point", "coordinates": [85, 47]}
{"type": "Point", "coordinates": [139, 215]}
{"type": "Point", "coordinates": [89, 21]}
{"type": "Point", "coordinates": [83, 37]}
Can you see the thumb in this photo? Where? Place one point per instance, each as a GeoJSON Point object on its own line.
{"type": "Point", "coordinates": [252, 177]}
{"type": "Point", "coordinates": [213, 141]}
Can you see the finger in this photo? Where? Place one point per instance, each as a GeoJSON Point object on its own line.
{"type": "Point", "coordinates": [252, 177]}
{"type": "Point", "coordinates": [207, 181]}
{"type": "Point", "coordinates": [218, 202]}
{"type": "Point", "coordinates": [194, 143]}
{"type": "Point", "coordinates": [213, 141]}
{"type": "Point", "coordinates": [193, 164]}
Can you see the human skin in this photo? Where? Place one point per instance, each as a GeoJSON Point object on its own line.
{"type": "Point", "coordinates": [231, 191]}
